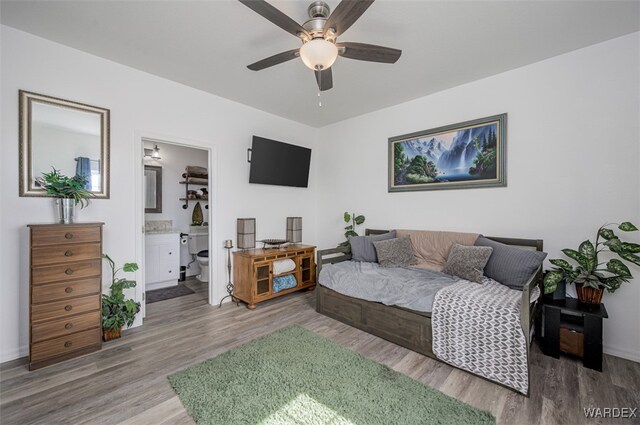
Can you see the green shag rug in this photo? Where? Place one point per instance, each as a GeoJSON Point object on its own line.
{"type": "Point", "coordinates": [294, 376]}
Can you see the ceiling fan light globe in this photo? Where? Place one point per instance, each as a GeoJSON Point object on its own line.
{"type": "Point", "coordinates": [318, 54]}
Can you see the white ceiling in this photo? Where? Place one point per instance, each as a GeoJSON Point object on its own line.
{"type": "Point", "coordinates": [207, 45]}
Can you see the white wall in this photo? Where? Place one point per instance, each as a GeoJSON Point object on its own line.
{"type": "Point", "coordinates": [572, 158]}
{"type": "Point", "coordinates": [173, 160]}
{"type": "Point", "coordinates": [140, 104]}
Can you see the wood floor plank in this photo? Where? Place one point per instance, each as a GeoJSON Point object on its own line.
{"type": "Point", "coordinates": [126, 382]}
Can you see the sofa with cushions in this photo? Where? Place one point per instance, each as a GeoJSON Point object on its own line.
{"type": "Point", "coordinates": [385, 282]}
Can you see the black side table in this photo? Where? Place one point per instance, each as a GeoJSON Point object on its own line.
{"type": "Point", "coordinates": [585, 316]}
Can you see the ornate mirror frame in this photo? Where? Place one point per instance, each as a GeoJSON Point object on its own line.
{"type": "Point", "coordinates": [26, 177]}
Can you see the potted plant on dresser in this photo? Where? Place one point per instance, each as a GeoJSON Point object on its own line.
{"type": "Point", "coordinates": [591, 276]}
{"type": "Point", "coordinates": [68, 191]}
{"type": "Point", "coordinates": [118, 311]}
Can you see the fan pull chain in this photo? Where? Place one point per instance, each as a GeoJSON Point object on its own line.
{"type": "Point", "coordinates": [319, 85]}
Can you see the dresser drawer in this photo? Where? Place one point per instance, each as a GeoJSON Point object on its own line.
{"type": "Point", "coordinates": [59, 309]}
{"type": "Point", "coordinates": [65, 344]}
{"type": "Point", "coordinates": [60, 327]}
{"type": "Point", "coordinates": [65, 290]}
{"type": "Point", "coordinates": [76, 270]}
{"type": "Point", "coordinates": [64, 234]}
{"type": "Point", "coordinates": [54, 254]}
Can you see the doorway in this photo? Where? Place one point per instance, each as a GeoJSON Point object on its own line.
{"type": "Point", "coordinates": [175, 214]}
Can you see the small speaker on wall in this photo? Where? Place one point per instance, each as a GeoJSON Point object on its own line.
{"type": "Point", "coordinates": [294, 229]}
{"type": "Point", "coordinates": [246, 233]}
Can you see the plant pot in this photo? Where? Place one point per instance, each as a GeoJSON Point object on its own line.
{"type": "Point", "coordinates": [65, 210]}
{"type": "Point", "coordinates": [109, 334]}
{"type": "Point", "coordinates": [589, 295]}
{"type": "Point", "coordinates": [68, 210]}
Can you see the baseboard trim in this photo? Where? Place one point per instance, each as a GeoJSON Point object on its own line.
{"type": "Point", "coordinates": [10, 355]}
{"type": "Point", "coordinates": [624, 353]}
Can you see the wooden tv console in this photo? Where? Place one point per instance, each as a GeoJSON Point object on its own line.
{"type": "Point", "coordinates": [253, 272]}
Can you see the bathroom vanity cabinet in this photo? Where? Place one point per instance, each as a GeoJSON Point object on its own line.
{"type": "Point", "coordinates": [162, 260]}
{"type": "Point", "coordinates": [65, 292]}
{"type": "Point", "coordinates": [253, 272]}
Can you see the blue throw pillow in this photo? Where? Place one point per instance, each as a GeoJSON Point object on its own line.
{"type": "Point", "coordinates": [362, 248]}
{"type": "Point", "coordinates": [510, 265]}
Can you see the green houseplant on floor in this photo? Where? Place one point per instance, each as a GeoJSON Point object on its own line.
{"type": "Point", "coordinates": [591, 276]}
{"type": "Point", "coordinates": [68, 191]}
{"type": "Point", "coordinates": [118, 311]}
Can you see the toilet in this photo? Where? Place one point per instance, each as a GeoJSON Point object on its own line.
{"type": "Point", "coordinates": [199, 247]}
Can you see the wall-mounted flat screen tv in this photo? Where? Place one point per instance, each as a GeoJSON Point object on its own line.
{"type": "Point", "coordinates": [278, 163]}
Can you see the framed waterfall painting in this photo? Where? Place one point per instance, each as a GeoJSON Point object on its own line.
{"type": "Point", "coordinates": [467, 155]}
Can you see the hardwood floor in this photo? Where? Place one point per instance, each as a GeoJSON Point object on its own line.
{"type": "Point", "coordinates": [126, 382]}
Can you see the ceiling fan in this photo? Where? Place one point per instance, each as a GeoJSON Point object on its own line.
{"type": "Point", "coordinates": [319, 38]}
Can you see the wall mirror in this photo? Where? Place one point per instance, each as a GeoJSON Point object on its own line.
{"type": "Point", "coordinates": [152, 189]}
{"type": "Point", "coordinates": [68, 136]}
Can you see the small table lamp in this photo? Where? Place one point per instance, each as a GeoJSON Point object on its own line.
{"type": "Point", "coordinates": [294, 230]}
{"type": "Point", "coordinates": [228, 245]}
{"type": "Point", "coordinates": [246, 233]}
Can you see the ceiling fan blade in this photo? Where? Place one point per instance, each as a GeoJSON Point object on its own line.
{"type": "Point", "coordinates": [274, 60]}
{"type": "Point", "coordinates": [345, 14]}
{"type": "Point", "coordinates": [324, 79]}
{"type": "Point", "coordinates": [274, 15]}
{"type": "Point", "coordinates": [368, 52]}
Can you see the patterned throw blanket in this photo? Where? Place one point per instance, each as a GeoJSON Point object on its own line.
{"type": "Point", "coordinates": [476, 327]}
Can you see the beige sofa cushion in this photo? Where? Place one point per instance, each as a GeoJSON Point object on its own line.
{"type": "Point", "coordinates": [431, 248]}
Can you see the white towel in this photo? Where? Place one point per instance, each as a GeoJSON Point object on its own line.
{"type": "Point", "coordinates": [283, 266]}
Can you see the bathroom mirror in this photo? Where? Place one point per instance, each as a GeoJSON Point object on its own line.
{"type": "Point", "coordinates": [152, 189]}
{"type": "Point", "coordinates": [68, 136]}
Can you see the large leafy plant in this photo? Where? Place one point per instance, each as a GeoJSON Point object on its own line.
{"type": "Point", "coordinates": [60, 186]}
{"type": "Point", "coordinates": [352, 221]}
{"type": "Point", "coordinates": [118, 311]}
{"type": "Point", "coordinates": [590, 271]}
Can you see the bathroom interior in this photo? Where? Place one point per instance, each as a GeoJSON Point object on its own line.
{"type": "Point", "coordinates": [176, 193]}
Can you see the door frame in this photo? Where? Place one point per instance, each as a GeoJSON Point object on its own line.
{"type": "Point", "coordinates": [139, 139]}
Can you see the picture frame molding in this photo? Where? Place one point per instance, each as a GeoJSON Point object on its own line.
{"type": "Point", "coordinates": [499, 181]}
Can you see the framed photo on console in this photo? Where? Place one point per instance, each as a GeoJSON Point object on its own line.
{"type": "Point", "coordinates": [466, 155]}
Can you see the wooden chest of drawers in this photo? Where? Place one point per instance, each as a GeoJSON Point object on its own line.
{"type": "Point", "coordinates": [65, 292]}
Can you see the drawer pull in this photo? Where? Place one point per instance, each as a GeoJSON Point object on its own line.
{"type": "Point", "coordinates": [68, 289]}
{"type": "Point", "coordinates": [68, 235]}
{"type": "Point", "coordinates": [169, 271]}
{"type": "Point", "coordinates": [170, 253]}
{"type": "Point", "coordinates": [68, 271]}
{"type": "Point", "coordinates": [67, 344]}
{"type": "Point", "coordinates": [68, 326]}
{"type": "Point", "coordinates": [68, 253]}
{"type": "Point", "coordinates": [68, 307]}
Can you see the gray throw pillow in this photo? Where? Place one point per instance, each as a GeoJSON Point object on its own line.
{"type": "Point", "coordinates": [362, 248]}
{"type": "Point", "coordinates": [510, 265]}
{"type": "Point", "coordinates": [467, 262]}
{"type": "Point", "coordinates": [396, 252]}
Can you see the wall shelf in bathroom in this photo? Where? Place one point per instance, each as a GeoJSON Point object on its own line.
{"type": "Point", "coordinates": [186, 199]}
